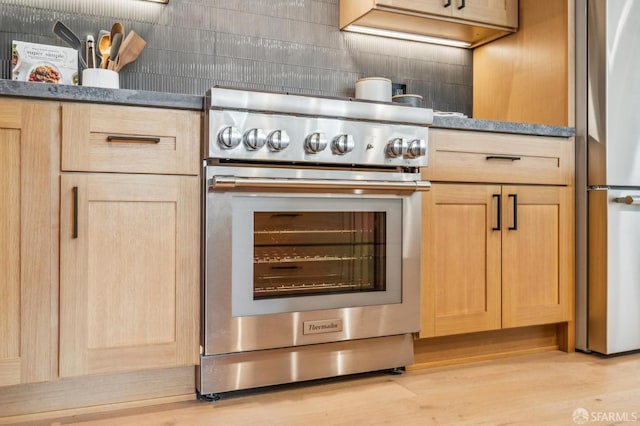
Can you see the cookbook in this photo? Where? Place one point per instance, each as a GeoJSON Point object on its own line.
{"type": "Point", "coordinates": [41, 63]}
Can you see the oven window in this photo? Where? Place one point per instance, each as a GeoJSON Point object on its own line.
{"type": "Point", "coordinates": [313, 252]}
{"type": "Point", "coordinates": [303, 253]}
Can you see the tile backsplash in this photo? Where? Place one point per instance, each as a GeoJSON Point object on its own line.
{"type": "Point", "coordinates": [279, 45]}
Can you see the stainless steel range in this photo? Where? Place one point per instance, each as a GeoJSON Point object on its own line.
{"type": "Point", "coordinates": [312, 237]}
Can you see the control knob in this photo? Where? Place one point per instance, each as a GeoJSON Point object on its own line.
{"type": "Point", "coordinates": [315, 143]}
{"type": "Point", "coordinates": [396, 148]}
{"type": "Point", "coordinates": [277, 140]}
{"type": "Point", "coordinates": [417, 148]}
{"type": "Point", "coordinates": [254, 139]}
{"type": "Point", "coordinates": [229, 137]}
{"type": "Point", "coordinates": [342, 144]}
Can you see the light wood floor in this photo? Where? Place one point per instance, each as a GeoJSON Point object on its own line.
{"type": "Point", "coordinates": [534, 389]}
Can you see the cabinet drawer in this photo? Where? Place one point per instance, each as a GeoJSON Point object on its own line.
{"type": "Point", "coordinates": [464, 156]}
{"type": "Point", "coordinates": [104, 138]}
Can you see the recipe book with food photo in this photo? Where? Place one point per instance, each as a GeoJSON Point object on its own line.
{"type": "Point", "coordinates": [41, 63]}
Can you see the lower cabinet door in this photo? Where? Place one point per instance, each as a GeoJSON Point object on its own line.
{"type": "Point", "coordinates": [129, 285]}
{"type": "Point", "coordinates": [28, 241]}
{"type": "Point", "coordinates": [496, 257]}
{"type": "Point", "coordinates": [461, 259]}
{"type": "Point", "coordinates": [537, 255]}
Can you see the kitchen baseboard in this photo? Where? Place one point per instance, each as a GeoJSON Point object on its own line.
{"type": "Point", "coordinates": [482, 346]}
{"type": "Point", "coordinates": [94, 394]}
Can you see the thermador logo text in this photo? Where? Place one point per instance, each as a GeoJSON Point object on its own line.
{"type": "Point", "coordinates": [322, 326]}
{"type": "Point", "coordinates": [316, 327]}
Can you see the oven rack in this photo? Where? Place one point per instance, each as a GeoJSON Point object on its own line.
{"type": "Point", "coordinates": [298, 259]}
{"type": "Point", "coordinates": [309, 287]}
{"type": "Point", "coordinates": [313, 231]}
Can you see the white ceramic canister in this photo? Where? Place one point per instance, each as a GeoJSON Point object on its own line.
{"type": "Point", "coordinates": [99, 77]}
{"type": "Point", "coordinates": [374, 89]}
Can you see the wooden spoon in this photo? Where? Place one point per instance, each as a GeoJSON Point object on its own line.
{"type": "Point", "coordinates": [129, 50]}
{"type": "Point", "coordinates": [104, 46]}
{"type": "Point", "coordinates": [117, 34]}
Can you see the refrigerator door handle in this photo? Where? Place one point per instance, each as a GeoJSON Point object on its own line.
{"type": "Point", "coordinates": [629, 199]}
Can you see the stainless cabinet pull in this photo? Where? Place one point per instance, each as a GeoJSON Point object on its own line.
{"type": "Point", "coordinates": [629, 199]}
{"type": "Point", "coordinates": [74, 191]}
{"type": "Point", "coordinates": [461, 5]}
{"type": "Point", "coordinates": [499, 218]}
{"type": "Point", "coordinates": [502, 157]}
{"type": "Point", "coordinates": [140, 139]}
{"type": "Point", "coordinates": [447, 3]}
{"type": "Point", "coordinates": [515, 212]}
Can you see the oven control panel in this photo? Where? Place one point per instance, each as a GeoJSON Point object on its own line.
{"type": "Point", "coordinates": [255, 136]}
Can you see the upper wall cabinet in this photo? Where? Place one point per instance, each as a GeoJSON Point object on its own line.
{"type": "Point", "coordinates": [473, 21]}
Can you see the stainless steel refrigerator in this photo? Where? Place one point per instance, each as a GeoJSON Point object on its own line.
{"type": "Point", "coordinates": [608, 175]}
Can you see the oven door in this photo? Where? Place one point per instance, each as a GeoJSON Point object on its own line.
{"type": "Point", "coordinates": [301, 257]}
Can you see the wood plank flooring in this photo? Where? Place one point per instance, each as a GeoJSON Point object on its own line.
{"type": "Point", "coordinates": [536, 389]}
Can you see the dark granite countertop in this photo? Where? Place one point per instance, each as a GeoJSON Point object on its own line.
{"type": "Point", "coordinates": [459, 123]}
{"type": "Point", "coordinates": [193, 102]}
{"type": "Point", "coordinates": [60, 92]}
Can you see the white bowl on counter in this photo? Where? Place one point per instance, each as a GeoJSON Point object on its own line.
{"type": "Point", "coordinates": [374, 89]}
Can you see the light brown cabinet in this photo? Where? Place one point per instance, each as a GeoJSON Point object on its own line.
{"type": "Point", "coordinates": [503, 13]}
{"type": "Point", "coordinates": [106, 138]}
{"type": "Point", "coordinates": [28, 240]}
{"type": "Point", "coordinates": [528, 77]}
{"type": "Point", "coordinates": [537, 257]}
{"type": "Point", "coordinates": [474, 21]}
{"type": "Point", "coordinates": [496, 255]}
{"type": "Point", "coordinates": [129, 250]}
{"type": "Point", "coordinates": [462, 260]}
{"type": "Point", "coordinates": [129, 272]}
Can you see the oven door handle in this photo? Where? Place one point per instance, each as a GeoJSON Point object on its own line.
{"type": "Point", "coordinates": [229, 182]}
